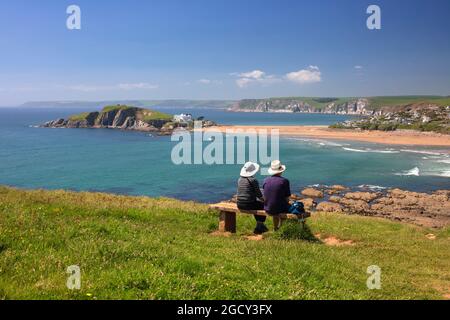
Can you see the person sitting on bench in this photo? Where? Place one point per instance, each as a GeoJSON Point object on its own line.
{"type": "Point", "coordinates": [249, 196]}
{"type": "Point", "coordinates": [277, 191]}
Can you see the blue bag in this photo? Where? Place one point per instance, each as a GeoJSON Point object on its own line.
{"type": "Point", "coordinates": [297, 208]}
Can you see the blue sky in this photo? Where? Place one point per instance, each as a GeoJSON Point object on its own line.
{"type": "Point", "coordinates": [221, 49]}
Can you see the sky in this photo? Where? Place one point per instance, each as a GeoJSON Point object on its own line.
{"type": "Point", "coordinates": [221, 49]}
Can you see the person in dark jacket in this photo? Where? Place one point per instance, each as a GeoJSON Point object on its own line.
{"type": "Point", "coordinates": [277, 191]}
{"type": "Point", "coordinates": [249, 196]}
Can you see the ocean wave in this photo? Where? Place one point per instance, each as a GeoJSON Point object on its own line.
{"type": "Point", "coordinates": [444, 161]}
{"type": "Point", "coordinates": [317, 185]}
{"type": "Point", "coordinates": [445, 173]}
{"type": "Point", "coordinates": [433, 153]}
{"type": "Point", "coordinates": [371, 187]}
{"type": "Point", "coordinates": [355, 150]}
{"type": "Point", "coordinates": [438, 173]}
{"type": "Point", "coordinates": [319, 142]}
{"type": "Point", "coordinates": [371, 150]}
{"type": "Point", "coordinates": [413, 172]}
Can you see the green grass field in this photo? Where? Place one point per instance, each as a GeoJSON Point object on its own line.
{"type": "Point", "coordinates": [142, 248]}
{"type": "Point", "coordinates": [379, 102]}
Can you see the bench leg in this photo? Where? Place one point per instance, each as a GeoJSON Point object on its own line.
{"type": "Point", "coordinates": [227, 222]}
{"type": "Point", "coordinates": [277, 222]}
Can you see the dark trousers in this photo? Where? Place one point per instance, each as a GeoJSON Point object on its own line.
{"type": "Point", "coordinates": [258, 205]}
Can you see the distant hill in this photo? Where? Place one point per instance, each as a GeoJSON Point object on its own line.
{"type": "Point", "coordinates": [137, 103]}
{"type": "Point", "coordinates": [343, 105]}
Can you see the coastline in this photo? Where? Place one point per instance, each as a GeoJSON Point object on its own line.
{"type": "Point", "coordinates": [399, 137]}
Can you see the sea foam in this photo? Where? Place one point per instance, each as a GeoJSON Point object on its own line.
{"type": "Point", "coordinates": [371, 150]}
{"type": "Point", "coordinates": [413, 172]}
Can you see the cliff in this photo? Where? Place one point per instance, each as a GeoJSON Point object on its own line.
{"type": "Point", "coordinates": [115, 117]}
{"type": "Point", "coordinates": [303, 105]}
{"type": "Point", "coordinates": [122, 117]}
{"type": "Point", "coordinates": [352, 106]}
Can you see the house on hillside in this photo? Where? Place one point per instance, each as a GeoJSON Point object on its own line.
{"type": "Point", "coordinates": [183, 118]}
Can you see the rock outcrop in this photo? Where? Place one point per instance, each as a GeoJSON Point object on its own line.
{"type": "Point", "coordinates": [124, 118]}
{"type": "Point", "coordinates": [312, 193]}
{"type": "Point", "coordinates": [424, 209]}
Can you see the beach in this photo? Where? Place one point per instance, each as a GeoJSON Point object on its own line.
{"type": "Point", "coordinates": [400, 137]}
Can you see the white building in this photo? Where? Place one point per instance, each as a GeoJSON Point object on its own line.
{"type": "Point", "coordinates": [182, 117]}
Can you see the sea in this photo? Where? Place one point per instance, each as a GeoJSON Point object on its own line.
{"type": "Point", "coordinates": [136, 163]}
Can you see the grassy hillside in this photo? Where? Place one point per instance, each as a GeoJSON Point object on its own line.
{"type": "Point", "coordinates": [140, 113]}
{"type": "Point", "coordinates": [137, 103]}
{"type": "Point", "coordinates": [282, 102]}
{"type": "Point", "coordinates": [393, 101]}
{"type": "Point", "coordinates": [142, 248]}
{"type": "Point", "coordinates": [374, 103]}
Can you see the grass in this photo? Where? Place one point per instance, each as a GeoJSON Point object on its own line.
{"type": "Point", "coordinates": [375, 103]}
{"type": "Point", "coordinates": [393, 101]}
{"type": "Point", "coordinates": [145, 115]}
{"type": "Point", "coordinates": [142, 248]}
{"type": "Point", "coordinates": [117, 108]}
{"type": "Point", "coordinates": [150, 115]}
{"type": "Point", "coordinates": [80, 117]}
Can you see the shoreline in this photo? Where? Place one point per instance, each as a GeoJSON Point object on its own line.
{"type": "Point", "coordinates": [424, 209]}
{"type": "Point", "coordinates": [399, 137]}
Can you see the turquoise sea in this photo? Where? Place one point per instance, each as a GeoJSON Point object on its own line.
{"type": "Point", "coordinates": [138, 164]}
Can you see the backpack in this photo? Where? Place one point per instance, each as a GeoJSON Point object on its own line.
{"type": "Point", "coordinates": [297, 208]}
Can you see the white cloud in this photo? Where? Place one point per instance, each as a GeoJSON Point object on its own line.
{"type": "Point", "coordinates": [255, 76]}
{"type": "Point", "coordinates": [311, 74]}
{"type": "Point", "coordinates": [204, 81]}
{"type": "Point", "coordinates": [208, 81]}
{"type": "Point", "coordinates": [243, 82]}
{"type": "Point", "coordinates": [358, 67]}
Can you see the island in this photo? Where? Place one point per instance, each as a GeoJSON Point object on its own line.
{"type": "Point", "coordinates": [126, 117]}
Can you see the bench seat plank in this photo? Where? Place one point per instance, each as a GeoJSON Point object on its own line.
{"type": "Point", "coordinates": [228, 211]}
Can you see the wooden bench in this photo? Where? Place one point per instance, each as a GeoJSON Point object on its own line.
{"type": "Point", "coordinates": [228, 211]}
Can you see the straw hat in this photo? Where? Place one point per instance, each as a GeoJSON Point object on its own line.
{"type": "Point", "coordinates": [249, 169]}
{"type": "Point", "coordinates": [276, 167]}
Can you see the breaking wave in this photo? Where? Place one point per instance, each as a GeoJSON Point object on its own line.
{"type": "Point", "coordinates": [413, 172]}
{"type": "Point", "coordinates": [371, 187]}
{"type": "Point", "coordinates": [432, 153]}
{"type": "Point", "coordinates": [371, 150]}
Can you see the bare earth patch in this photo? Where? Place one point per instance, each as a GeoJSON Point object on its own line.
{"type": "Point", "coordinates": [255, 237]}
{"type": "Point", "coordinates": [334, 242]}
{"type": "Point", "coordinates": [431, 236]}
{"type": "Point", "coordinates": [221, 234]}
{"type": "Point", "coordinates": [444, 289]}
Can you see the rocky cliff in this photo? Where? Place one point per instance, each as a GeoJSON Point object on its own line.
{"type": "Point", "coordinates": [305, 105]}
{"type": "Point", "coordinates": [124, 118]}
{"type": "Point", "coordinates": [351, 106]}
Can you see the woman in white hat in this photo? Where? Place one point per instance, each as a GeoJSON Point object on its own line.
{"type": "Point", "coordinates": [249, 196]}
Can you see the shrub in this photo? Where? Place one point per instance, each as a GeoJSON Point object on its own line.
{"type": "Point", "coordinates": [295, 230]}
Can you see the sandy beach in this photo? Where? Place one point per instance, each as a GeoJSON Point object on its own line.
{"type": "Point", "coordinates": [401, 137]}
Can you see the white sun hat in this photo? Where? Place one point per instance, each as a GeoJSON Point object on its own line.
{"type": "Point", "coordinates": [276, 167]}
{"type": "Point", "coordinates": [249, 169]}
